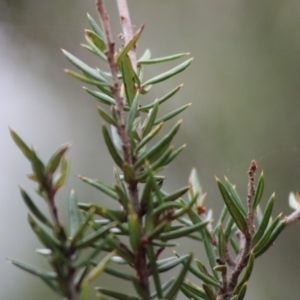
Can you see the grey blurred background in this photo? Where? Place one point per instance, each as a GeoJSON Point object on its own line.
{"type": "Point", "coordinates": [243, 83]}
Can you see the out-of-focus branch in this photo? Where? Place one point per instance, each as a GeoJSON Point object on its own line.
{"type": "Point", "coordinates": [127, 29]}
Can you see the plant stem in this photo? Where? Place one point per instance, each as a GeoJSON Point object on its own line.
{"type": "Point", "coordinates": [127, 29]}
{"type": "Point", "coordinates": [140, 255]}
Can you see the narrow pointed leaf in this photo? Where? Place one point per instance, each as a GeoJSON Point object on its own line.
{"type": "Point", "coordinates": [116, 295]}
{"type": "Point", "coordinates": [130, 79]}
{"type": "Point", "coordinates": [149, 122]}
{"type": "Point", "coordinates": [182, 232]}
{"type": "Point", "coordinates": [174, 154]}
{"type": "Point", "coordinates": [134, 230]}
{"type": "Point", "coordinates": [242, 292]}
{"type": "Point", "coordinates": [97, 40]}
{"type": "Point", "coordinates": [34, 210]}
{"type": "Point", "coordinates": [163, 142]}
{"type": "Point", "coordinates": [161, 59]}
{"type": "Point", "coordinates": [83, 66]}
{"type": "Point", "coordinates": [271, 239]}
{"type": "Point", "coordinates": [21, 145]}
{"type": "Point", "coordinates": [177, 194]}
{"type": "Point", "coordinates": [119, 274]}
{"type": "Point", "coordinates": [259, 191]}
{"type": "Point", "coordinates": [33, 270]}
{"type": "Point", "coordinates": [172, 114]}
{"type": "Point", "coordinates": [235, 196]}
{"type": "Point", "coordinates": [101, 97]}
{"type": "Point", "coordinates": [74, 214]}
{"type": "Point", "coordinates": [264, 239]}
{"type": "Point", "coordinates": [149, 137]}
{"type": "Point", "coordinates": [162, 99]}
{"type": "Point", "coordinates": [82, 78]}
{"type": "Point", "coordinates": [107, 117]}
{"type": "Point", "coordinates": [168, 265]}
{"type": "Point", "coordinates": [95, 26]}
{"type": "Point", "coordinates": [193, 292]}
{"type": "Point", "coordinates": [169, 73]}
{"type": "Point", "coordinates": [234, 210]}
{"type": "Point", "coordinates": [56, 159]}
{"type": "Point", "coordinates": [172, 292]}
{"type": "Point", "coordinates": [131, 44]}
{"type": "Point", "coordinates": [63, 174]}
{"type": "Point", "coordinates": [246, 274]}
{"type": "Point", "coordinates": [209, 292]}
{"type": "Point", "coordinates": [132, 113]}
{"type": "Point", "coordinates": [110, 214]}
{"type": "Point", "coordinates": [265, 221]}
{"type": "Point", "coordinates": [111, 147]}
{"type": "Point", "coordinates": [94, 273]}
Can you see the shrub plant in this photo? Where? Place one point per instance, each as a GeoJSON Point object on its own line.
{"type": "Point", "coordinates": [149, 218]}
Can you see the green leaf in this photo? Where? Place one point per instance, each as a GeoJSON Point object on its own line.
{"type": "Point", "coordinates": [130, 79]}
{"type": "Point", "coordinates": [119, 274]}
{"type": "Point", "coordinates": [130, 45]}
{"type": "Point", "coordinates": [148, 137]}
{"type": "Point", "coordinates": [172, 114]}
{"type": "Point", "coordinates": [63, 174]}
{"type": "Point", "coordinates": [87, 70]}
{"type": "Point", "coordinates": [45, 238]}
{"type": "Point", "coordinates": [56, 158]}
{"type": "Point", "coordinates": [165, 207]}
{"type": "Point", "coordinates": [172, 292]}
{"type": "Point", "coordinates": [221, 243]}
{"type": "Point", "coordinates": [264, 239]}
{"type": "Point", "coordinates": [132, 113]}
{"type": "Point", "coordinates": [271, 239]}
{"type": "Point", "coordinates": [33, 270]}
{"type": "Point", "coordinates": [123, 198]}
{"type": "Point", "coordinates": [162, 99]}
{"type": "Point", "coordinates": [163, 142]}
{"type": "Point", "coordinates": [246, 274]}
{"type": "Point", "coordinates": [81, 77]}
{"type": "Point", "coordinates": [242, 292]}
{"type": "Point", "coordinates": [111, 147]}
{"type": "Point", "coordinates": [169, 73]}
{"type": "Point", "coordinates": [121, 250]}
{"type": "Point", "coordinates": [265, 221]}
{"type": "Point", "coordinates": [107, 117]}
{"type": "Point", "coordinates": [192, 291]}
{"type": "Point", "coordinates": [74, 214]}
{"type": "Point", "coordinates": [116, 295]}
{"type": "Point", "coordinates": [95, 26]}
{"type": "Point", "coordinates": [177, 194]}
{"type": "Point", "coordinates": [96, 39]}
{"type": "Point", "coordinates": [209, 292]}
{"type": "Point", "coordinates": [182, 232]}
{"type": "Point", "coordinates": [101, 97]}
{"type": "Point", "coordinates": [93, 237]}
{"type": "Point", "coordinates": [134, 229]}
{"type": "Point", "coordinates": [82, 226]}
{"type": "Point", "coordinates": [149, 121]}
{"type": "Point", "coordinates": [99, 269]}
{"type": "Point", "coordinates": [233, 208]}
{"type": "Point", "coordinates": [205, 234]}
{"type": "Point", "coordinates": [110, 214]}
{"type": "Point", "coordinates": [160, 59]}
{"type": "Point", "coordinates": [204, 276]}
{"type": "Point", "coordinates": [21, 145]}
{"type": "Point", "coordinates": [259, 191]}
{"type": "Point", "coordinates": [170, 264]}
{"type": "Point", "coordinates": [174, 154]}
{"type": "Point", "coordinates": [33, 208]}
{"type": "Point", "coordinates": [235, 197]}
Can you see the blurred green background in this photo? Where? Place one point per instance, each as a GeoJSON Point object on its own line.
{"type": "Point", "coordinates": [243, 83]}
